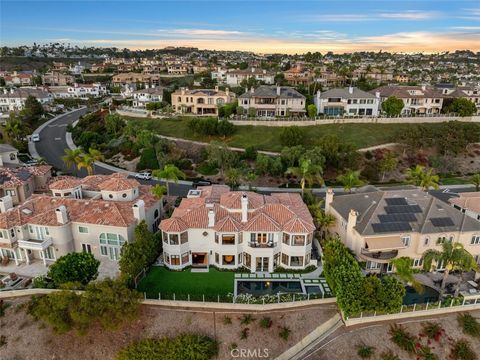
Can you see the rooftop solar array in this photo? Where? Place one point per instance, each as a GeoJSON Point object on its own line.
{"type": "Point", "coordinates": [398, 209]}
{"type": "Point", "coordinates": [396, 201]}
{"type": "Point", "coordinates": [406, 217]}
{"type": "Point", "coordinates": [391, 227]}
{"type": "Point", "coordinates": [442, 222]}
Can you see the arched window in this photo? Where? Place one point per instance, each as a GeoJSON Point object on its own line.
{"type": "Point", "coordinates": [220, 101]}
{"type": "Point", "coordinates": [200, 101]}
{"type": "Point", "coordinates": [155, 214]}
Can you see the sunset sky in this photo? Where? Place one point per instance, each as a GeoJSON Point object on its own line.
{"type": "Point", "coordinates": [263, 26]}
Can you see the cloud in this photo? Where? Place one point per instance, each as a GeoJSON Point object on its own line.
{"type": "Point", "coordinates": [467, 28]}
{"type": "Point", "coordinates": [410, 15]}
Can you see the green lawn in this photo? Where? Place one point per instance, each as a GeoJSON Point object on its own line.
{"type": "Point", "coordinates": [267, 138]}
{"type": "Point", "coordinates": [181, 283]}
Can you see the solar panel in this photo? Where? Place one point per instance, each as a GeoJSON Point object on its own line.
{"type": "Point", "coordinates": [397, 209]}
{"type": "Point", "coordinates": [442, 222]}
{"type": "Point", "coordinates": [401, 217]}
{"type": "Point", "coordinates": [396, 201]}
{"type": "Point", "coordinates": [391, 227]}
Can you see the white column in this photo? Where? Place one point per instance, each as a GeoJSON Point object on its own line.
{"type": "Point", "coordinates": [42, 255]}
{"type": "Point", "coordinates": [27, 258]}
{"type": "Point", "coordinates": [15, 257]}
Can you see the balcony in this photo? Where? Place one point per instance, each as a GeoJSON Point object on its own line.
{"type": "Point", "coordinates": [33, 244]}
{"type": "Point", "coordinates": [255, 244]}
{"type": "Point", "coordinates": [378, 256]}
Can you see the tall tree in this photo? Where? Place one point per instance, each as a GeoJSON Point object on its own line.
{"type": "Point", "coordinates": [475, 179]}
{"type": "Point", "coordinates": [169, 173]}
{"type": "Point", "coordinates": [404, 270]}
{"type": "Point", "coordinates": [87, 160]}
{"type": "Point", "coordinates": [422, 177]}
{"type": "Point", "coordinates": [72, 157]}
{"type": "Point", "coordinates": [233, 177]}
{"type": "Point", "coordinates": [393, 106]}
{"type": "Point", "coordinates": [453, 257]}
{"type": "Point", "coordinates": [307, 172]}
{"type": "Point", "coordinates": [158, 191]}
{"type": "Point", "coordinates": [350, 179]}
{"type": "Point", "coordinates": [388, 163]}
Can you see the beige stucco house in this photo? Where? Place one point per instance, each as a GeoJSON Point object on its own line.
{"type": "Point", "coordinates": [200, 101]}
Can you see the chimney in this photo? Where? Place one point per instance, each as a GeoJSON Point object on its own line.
{"type": "Point", "coordinates": [328, 200]}
{"type": "Point", "coordinates": [318, 100]}
{"type": "Point", "coordinates": [424, 87]}
{"type": "Point", "coordinates": [147, 86]}
{"type": "Point", "coordinates": [62, 215]}
{"type": "Point", "coordinates": [351, 223]}
{"type": "Point", "coordinates": [350, 89]}
{"type": "Point", "coordinates": [139, 210]}
{"type": "Point", "coordinates": [253, 69]}
{"type": "Point", "coordinates": [252, 90]}
{"type": "Point", "coordinates": [211, 218]}
{"type": "Point", "coordinates": [227, 91]}
{"type": "Point", "coordinates": [216, 88]}
{"type": "Point", "coordinates": [183, 91]}
{"type": "Point", "coordinates": [377, 94]}
{"type": "Point", "coordinates": [278, 90]}
{"type": "Point", "coordinates": [6, 203]}
{"type": "Point", "coordinates": [244, 208]}
{"type": "Point", "coordinates": [5, 91]}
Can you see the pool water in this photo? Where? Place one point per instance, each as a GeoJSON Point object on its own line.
{"type": "Point", "coordinates": [413, 297]}
{"type": "Point", "coordinates": [269, 287]}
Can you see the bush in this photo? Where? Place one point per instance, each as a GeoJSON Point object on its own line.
{"type": "Point", "coordinates": [389, 355]}
{"type": "Point", "coordinates": [292, 136]}
{"type": "Point", "coordinates": [148, 160]}
{"type": "Point", "coordinates": [265, 322]}
{"type": "Point", "coordinates": [365, 351]}
{"type": "Point", "coordinates": [469, 325]}
{"type": "Point", "coordinates": [404, 340]}
{"type": "Point", "coordinates": [244, 333]}
{"type": "Point", "coordinates": [247, 319]}
{"type": "Point", "coordinates": [182, 347]}
{"type": "Point", "coordinates": [462, 350]}
{"type": "Point", "coordinates": [227, 320]}
{"type": "Point", "coordinates": [43, 282]}
{"type": "Point", "coordinates": [284, 333]}
{"type": "Point", "coordinates": [433, 330]}
{"type": "Point", "coordinates": [79, 267]}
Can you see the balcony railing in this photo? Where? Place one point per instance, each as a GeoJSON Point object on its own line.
{"type": "Point", "coordinates": [33, 244]}
{"type": "Point", "coordinates": [379, 255]}
{"type": "Point", "coordinates": [255, 244]}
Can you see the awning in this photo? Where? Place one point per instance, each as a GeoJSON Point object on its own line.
{"type": "Point", "coordinates": [391, 243]}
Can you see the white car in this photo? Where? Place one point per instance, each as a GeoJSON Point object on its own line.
{"type": "Point", "coordinates": [143, 176]}
{"type": "Point", "coordinates": [35, 138]}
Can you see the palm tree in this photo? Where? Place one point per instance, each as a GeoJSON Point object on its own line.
{"type": "Point", "coordinates": [419, 176]}
{"type": "Point", "coordinates": [350, 180]}
{"type": "Point", "coordinates": [87, 160]}
{"type": "Point", "coordinates": [307, 172]}
{"type": "Point", "coordinates": [403, 269]}
{"type": "Point", "coordinates": [158, 191]}
{"type": "Point", "coordinates": [233, 177]}
{"type": "Point", "coordinates": [15, 128]}
{"type": "Point", "coordinates": [325, 222]}
{"type": "Point", "coordinates": [475, 179]}
{"type": "Point", "coordinates": [453, 257]}
{"type": "Point", "coordinates": [169, 173]}
{"type": "Point", "coordinates": [72, 157]}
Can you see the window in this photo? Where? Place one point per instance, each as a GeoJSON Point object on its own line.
{"type": "Point", "coordinates": [286, 239]}
{"type": "Point", "coordinates": [426, 241]}
{"type": "Point", "coordinates": [87, 248]}
{"type": "Point", "coordinates": [49, 253]}
{"type": "Point", "coordinates": [373, 265]}
{"type": "Point", "coordinates": [165, 237]}
{"type": "Point", "coordinates": [228, 239]}
{"type": "Point", "coordinates": [124, 195]}
{"type": "Point", "coordinates": [156, 213]}
{"type": "Point", "coordinates": [174, 260]}
{"type": "Point", "coordinates": [167, 258]}
{"type": "Point", "coordinates": [417, 262]}
{"type": "Point", "coordinates": [12, 233]}
{"type": "Point", "coordinates": [103, 250]}
{"type": "Point", "coordinates": [183, 237]}
{"type": "Point", "coordinates": [475, 240]}
{"type": "Point", "coordinates": [110, 196]}
{"type": "Point", "coordinates": [217, 258]}
{"type": "Point", "coordinates": [185, 258]}
{"type": "Point", "coordinates": [173, 239]}
{"type": "Point", "coordinates": [228, 259]}
{"type": "Point", "coordinates": [285, 259]}
{"type": "Point", "coordinates": [10, 192]}
{"type": "Point", "coordinates": [247, 260]}
{"type": "Point", "coordinates": [216, 238]}
{"type": "Point", "coordinates": [240, 238]}
{"type": "Point", "coordinates": [406, 240]}
{"type": "Point", "coordinates": [30, 228]}
{"type": "Point", "coordinates": [83, 229]}
{"type": "Point", "coordinates": [296, 261]}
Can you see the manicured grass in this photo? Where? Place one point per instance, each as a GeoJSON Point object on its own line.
{"type": "Point", "coordinates": [182, 283]}
{"type": "Point", "coordinates": [268, 138]}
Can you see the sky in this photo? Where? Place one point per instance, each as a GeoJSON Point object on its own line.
{"type": "Point", "coordinates": [262, 26]}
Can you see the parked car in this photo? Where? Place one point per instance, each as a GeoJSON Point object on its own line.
{"type": "Point", "coordinates": [143, 176]}
{"type": "Point", "coordinates": [35, 137]}
{"type": "Point", "coordinates": [197, 182]}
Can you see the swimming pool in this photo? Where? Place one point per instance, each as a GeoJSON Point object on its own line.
{"type": "Point", "coordinates": [268, 287]}
{"type": "Point", "coordinates": [413, 297]}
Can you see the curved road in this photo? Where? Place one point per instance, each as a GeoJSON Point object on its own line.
{"type": "Point", "coordinates": [53, 142]}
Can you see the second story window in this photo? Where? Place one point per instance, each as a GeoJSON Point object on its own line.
{"type": "Point", "coordinates": [406, 240]}
{"type": "Point", "coordinates": [83, 229]}
{"type": "Point", "coordinates": [475, 240]}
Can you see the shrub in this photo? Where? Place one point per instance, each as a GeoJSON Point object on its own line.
{"type": "Point", "coordinates": [389, 355]}
{"type": "Point", "coordinates": [284, 333]}
{"type": "Point", "coordinates": [461, 350]}
{"type": "Point", "coordinates": [244, 333]}
{"type": "Point", "coordinates": [427, 354]}
{"type": "Point", "coordinates": [433, 330]}
{"type": "Point", "coordinates": [3, 340]}
{"type": "Point", "coordinates": [148, 160]}
{"type": "Point", "coordinates": [469, 325]}
{"type": "Point", "coordinates": [3, 307]}
{"type": "Point", "coordinates": [247, 319]}
{"type": "Point", "coordinates": [227, 320]}
{"type": "Point", "coordinates": [182, 347]}
{"type": "Point", "coordinates": [365, 351]}
{"type": "Point", "coordinates": [292, 135]}
{"type": "Point", "coordinates": [79, 267]}
{"type": "Point", "coordinates": [266, 322]}
{"type": "Point", "coordinates": [43, 282]}
{"type": "Point", "coordinates": [404, 340]}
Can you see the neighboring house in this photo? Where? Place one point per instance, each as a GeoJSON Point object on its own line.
{"type": "Point", "coordinates": [54, 78]}
{"type": "Point", "coordinates": [178, 69]}
{"type": "Point", "coordinates": [401, 78]}
{"type": "Point", "coordinates": [418, 100]}
{"type": "Point", "coordinates": [232, 229]}
{"type": "Point", "coordinates": [83, 90]}
{"type": "Point", "coordinates": [471, 93]}
{"type": "Point", "coordinates": [200, 101]}
{"type": "Point", "coordinates": [96, 214]}
{"type": "Point", "coordinates": [8, 155]}
{"type": "Point", "coordinates": [298, 75]}
{"type": "Point", "coordinates": [235, 77]}
{"type": "Point", "coordinates": [79, 68]}
{"type": "Point", "coordinates": [14, 100]}
{"type": "Point", "coordinates": [271, 101]}
{"type": "Point", "coordinates": [220, 74]}
{"type": "Point", "coordinates": [379, 75]}
{"type": "Point", "coordinates": [20, 183]}
{"type": "Point", "coordinates": [137, 80]}
{"type": "Point", "coordinates": [18, 79]}
{"type": "Point", "coordinates": [468, 203]}
{"type": "Point", "coordinates": [348, 101]}
{"type": "Point", "coordinates": [384, 225]}
{"type": "Point", "coordinates": [142, 97]}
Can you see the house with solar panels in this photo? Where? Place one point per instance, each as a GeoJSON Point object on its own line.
{"type": "Point", "coordinates": [380, 226]}
{"type": "Point", "coordinates": [272, 101]}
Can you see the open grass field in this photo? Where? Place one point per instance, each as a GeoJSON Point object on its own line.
{"type": "Point", "coordinates": [268, 138]}
{"type": "Point", "coordinates": [182, 283]}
